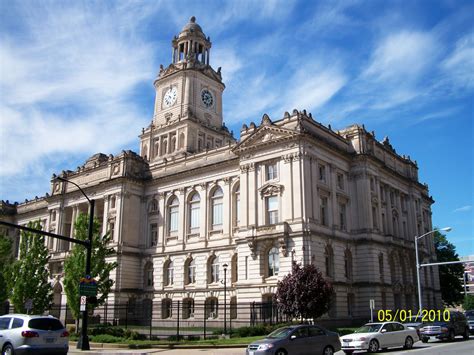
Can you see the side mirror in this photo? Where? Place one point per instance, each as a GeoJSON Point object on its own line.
{"type": "Point", "coordinates": [383, 331]}
{"type": "Point", "coordinates": [293, 337]}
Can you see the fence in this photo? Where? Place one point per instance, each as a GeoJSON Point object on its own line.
{"type": "Point", "coordinates": [178, 319]}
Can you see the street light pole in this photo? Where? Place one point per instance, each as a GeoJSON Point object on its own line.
{"type": "Point", "coordinates": [225, 298]}
{"type": "Point", "coordinates": [83, 342]}
{"type": "Point", "coordinates": [420, 302]}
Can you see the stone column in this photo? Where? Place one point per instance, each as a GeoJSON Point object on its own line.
{"type": "Point", "coordinates": [244, 191]}
{"type": "Point", "coordinates": [252, 195]}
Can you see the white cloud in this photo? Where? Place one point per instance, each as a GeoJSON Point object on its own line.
{"type": "Point", "coordinates": [67, 85]}
{"type": "Point", "coordinates": [466, 208]}
{"type": "Point", "coordinates": [459, 65]}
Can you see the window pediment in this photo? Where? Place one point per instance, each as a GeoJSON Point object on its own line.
{"type": "Point", "coordinates": [271, 189]}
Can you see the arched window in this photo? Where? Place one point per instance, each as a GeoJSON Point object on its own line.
{"type": "Point", "coordinates": [166, 308]}
{"type": "Point", "coordinates": [213, 267]}
{"type": "Point", "coordinates": [168, 273]}
{"type": "Point", "coordinates": [216, 208]}
{"type": "Point", "coordinates": [148, 273]}
{"type": "Point", "coordinates": [236, 205]}
{"type": "Point", "coordinates": [188, 308]}
{"type": "Point", "coordinates": [233, 307]}
{"type": "Point", "coordinates": [194, 213]}
{"type": "Point", "coordinates": [273, 262]}
{"type": "Point", "coordinates": [211, 307]}
{"type": "Point", "coordinates": [348, 264]}
{"type": "Point", "coordinates": [173, 215]}
{"type": "Point", "coordinates": [164, 147]}
{"type": "Point", "coordinates": [329, 261]}
{"type": "Point", "coordinates": [173, 145]}
{"type": "Point", "coordinates": [190, 271]}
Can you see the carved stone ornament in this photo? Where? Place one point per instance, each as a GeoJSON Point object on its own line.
{"type": "Point", "coordinates": [252, 243]}
{"type": "Point", "coordinates": [271, 190]}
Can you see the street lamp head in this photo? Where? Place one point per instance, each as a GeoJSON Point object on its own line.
{"type": "Point", "coordinates": [225, 266]}
{"type": "Point", "coordinates": [446, 229]}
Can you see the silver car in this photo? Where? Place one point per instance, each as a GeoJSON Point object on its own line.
{"type": "Point", "coordinates": [25, 334]}
{"type": "Point", "coordinates": [298, 339]}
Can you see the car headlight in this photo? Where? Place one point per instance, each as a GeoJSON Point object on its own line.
{"type": "Point", "coordinates": [265, 346]}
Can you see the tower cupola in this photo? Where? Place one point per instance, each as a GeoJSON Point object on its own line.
{"type": "Point", "coordinates": [191, 44]}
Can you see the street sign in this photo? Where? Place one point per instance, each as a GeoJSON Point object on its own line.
{"type": "Point", "coordinates": [83, 303]}
{"type": "Point", "coordinates": [87, 286]}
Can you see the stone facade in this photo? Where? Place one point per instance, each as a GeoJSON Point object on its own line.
{"type": "Point", "coordinates": [290, 189]}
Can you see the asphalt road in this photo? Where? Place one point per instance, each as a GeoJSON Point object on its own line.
{"type": "Point", "coordinates": [458, 347]}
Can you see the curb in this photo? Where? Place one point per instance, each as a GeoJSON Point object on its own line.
{"type": "Point", "coordinates": [111, 346]}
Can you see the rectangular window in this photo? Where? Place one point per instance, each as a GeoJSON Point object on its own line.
{"type": "Point", "coordinates": [405, 232]}
{"type": "Point", "coordinates": [194, 216]}
{"type": "Point", "coordinates": [342, 216]}
{"type": "Point", "coordinates": [322, 173]}
{"type": "Point", "coordinates": [272, 171]}
{"type": "Point", "coordinates": [246, 268]}
{"type": "Point", "coordinates": [272, 210]}
{"type": "Point", "coordinates": [372, 184]}
{"type": "Point", "coordinates": [153, 234]}
{"type": "Point", "coordinates": [323, 203]}
{"type": "Point", "coordinates": [237, 208]}
{"type": "Point", "coordinates": [111, 230]}
{"type": "Point", "coordinates": [340, 181]}
{"type": "Point", "coordinates": [217, 213]}
{"type": "Point", "coordinates": [192, 274]}
{"type": "Point", "coordinates": [173, 218]}
{"type": "Point", "coordinates": [350, 304]}
{"type": "Point", "coordinates": [375, 217]}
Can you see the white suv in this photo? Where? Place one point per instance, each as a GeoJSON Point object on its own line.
{"type": "Point", "coordinates": [25, 334]}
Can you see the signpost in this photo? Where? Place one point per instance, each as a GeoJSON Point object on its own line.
{"type": "Point", "coordinates": [372, 307]}
{"type": "Point", "coordinates": [83, 303]}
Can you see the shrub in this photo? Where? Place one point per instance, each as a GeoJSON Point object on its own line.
{"type": "Point", "coordinates": [107, 330]}
{"type": "Point", "coordinates": [194, 337]}
{"type": "Point", "coordinates": [133, 335]}
{"type": "Point", "coordinates": [106, 338]}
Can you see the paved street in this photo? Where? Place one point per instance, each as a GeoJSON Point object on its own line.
{"type": "Point", "coordinates": [459, 347]}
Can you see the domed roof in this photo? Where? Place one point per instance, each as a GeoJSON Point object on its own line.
{"type": "Point", "coordinates": [192, 27]}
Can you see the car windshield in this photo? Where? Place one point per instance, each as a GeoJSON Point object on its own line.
{"type": "Point", "coordinates": [369, 328]}
{"type": "Point", "coordinates": [280, 333]}
{"type": "Point", "coordinates": [45, 324]}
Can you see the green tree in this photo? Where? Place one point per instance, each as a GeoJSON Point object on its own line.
{"type": "Point", "coordinates": [6, 258]}
{"type": "Point", "coordinates": [450, 276]}
{"type": "Point", "coordinates": [74, 265]}
{"type": "Point", "coordinates": [28, 278]}
{"type": "Point", "coordinates": [304, 293]}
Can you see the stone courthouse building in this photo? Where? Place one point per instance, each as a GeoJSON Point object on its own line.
{"type": "Point", "coordinates": [195, 199]}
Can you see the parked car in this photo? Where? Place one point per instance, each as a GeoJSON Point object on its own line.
{"type": "Point", "coordinates": [470, 321]}
{"type": "Point", "coordinates": [415, 323]}
{"type": "Point", "coordinates": [446, 330]}
{"type": "Point", "coordinates": [298, 339]}
{"type": "Point", "coordinates": [28, 334]}
{"type": "Point", "coordinates": [375, 336]}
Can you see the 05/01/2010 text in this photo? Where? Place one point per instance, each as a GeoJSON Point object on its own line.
{"type": "Point", "coordinates": [403, 315]}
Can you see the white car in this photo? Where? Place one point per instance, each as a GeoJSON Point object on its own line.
{"type": "Point", "coordinates": [375, 336]}
{"type": "Point", "coordinates": [28, 334]}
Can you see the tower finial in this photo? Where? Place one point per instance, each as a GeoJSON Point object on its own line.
{"type": "Point", "coordinates": [192, 19]}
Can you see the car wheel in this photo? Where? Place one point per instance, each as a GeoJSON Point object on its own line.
{"type": "Point", "coordinates": [281, 352]}
{"type": "Point", "coordinates": [465, 336]}
{"type": "Point", "coordinates": [451, 335]}
{"type": "Point", "coordinates": [328, 350]}
{"type": "Point", "coordinates": [408, 343]}
{"type": "Point", "coordinates": [8, 350]}
{"type": "Point", "coordinates": [373, 346]}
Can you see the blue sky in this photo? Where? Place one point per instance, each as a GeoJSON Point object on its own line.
{"type": "Point", "coordinates": [76, 79]}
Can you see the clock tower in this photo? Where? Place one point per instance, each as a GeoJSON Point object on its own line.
{"type": "Point", "coordinates": [188, 105]}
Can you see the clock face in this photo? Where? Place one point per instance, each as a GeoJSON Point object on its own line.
{"type": "Point", "coordinates": [170, 96]}
{"type": "Point", "coordinates": [207, 98]}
